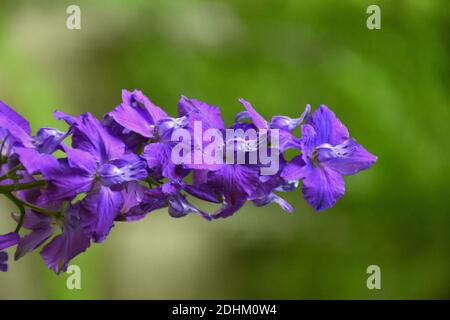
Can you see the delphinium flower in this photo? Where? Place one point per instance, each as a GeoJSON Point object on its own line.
{"type": "Point", "coordinates": [328, 154]}
{"type": "Point", "coordinates": [98, 165]}
{"type": "Point", "coordinates": [285, 125]}
{"type": "Point", "coordinates": [134, 119]}
{"type": "Point", "coordinates": [123, 168]}
{"type": "Point", "coordinates": [70, 236]}
{"type": "Point", "coordinates": [3, 261]}
{"type": "Point", "coordinates": [6, 241]}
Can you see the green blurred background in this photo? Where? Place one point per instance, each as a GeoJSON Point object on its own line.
{"type": "Point", "coordinates": [389, 86]}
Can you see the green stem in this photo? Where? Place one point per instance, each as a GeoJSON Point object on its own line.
{"type": "Point", "coordinates": [8, 188]}
{"type": "Point", "coordinates": [19, 205]}
{"type": "Point", "coordinates": [13, 170]}
{"type": "Point", "coordinates": [1, 150]}
{"type": "Point", "coordinates": [24, 203]}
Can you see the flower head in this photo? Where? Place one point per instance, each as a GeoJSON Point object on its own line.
{"type": "Point", "coordinates": [126, 166]}
{"type": "Point", "coordinates": [328, 154]}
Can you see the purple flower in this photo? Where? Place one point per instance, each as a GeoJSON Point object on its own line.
{"type": "Point", "coordinates": [328, 154]}
{"type": "Point", "coordinates": [8, 240]}
{"type": "Point", "coordinates": [199, 113]}
{"type": "Point", "coordinates": [15, 138]}
{"type": "Point", "coordinates": [264, 193]}
{"type": "Point", "coordinates": [235, 184]}
{"type": "Point", "coordinates": [283, 124]}
{"type": "Point", "coordinates": [14, 130]}
{"type": "Point", "coordinates": [168, 195]}
{"type": "Point", "coordinates": [287, 123]}
{"type": "Point", "coordinates": [196, 110]}
{"type": "Point", "coordinates": [123, 168]}
{"type": "Point", "coordinates": [98, 165]}
{"type": "Point", "coordinates": [48, 140]}
{"type": "Point", "coordinates": [3, 261]}
{"type": "Point", "coordinates": [73, 239]}
{"type": "Point", "coordinates": [143, 203]}
{"type": "Point", "coordinates": [159, 163]}
{"type": "Point", "coordinates": [137, 113]}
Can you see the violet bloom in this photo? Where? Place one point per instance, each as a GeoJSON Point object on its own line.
{"type": "Point", "coordinates": [328, 154]}
{"type": "Point", "coordinates": [15, 138]}
{"type": "Point", "coordinates": [9, 240]}
{"type": "Point", "coordinates": [38, 158]}
{"type": "Point", "coordinates": [196, 112]}
{"type": "Point", "coordinates": [6, 241]}
{"type": "Point", "coordinates": [232, 183]}
{"type": "Point", "coordinates": [168, 195]}
{"type": "Point", "coordinates": [14, 124]}
{"type": "Point", "coordinates": [72, 240]}
{"type": "Point", "coordinates": [3, 261]}
{"type": "Point", "coordinates": [268, 184]}
{"type": "Point", "coordinates": [137, 113]}
{"type": "Point", "coordinates": [284, 124]}
{"type": "Point", "coordinates": [14, 130]}
{"type": "Point", "coordinates": [235, 184]}
{"type": "Point", "coordinates": [97, 165]}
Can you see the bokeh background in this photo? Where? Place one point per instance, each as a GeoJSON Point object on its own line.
{"type": "Point", "coordinates": [389, 86]}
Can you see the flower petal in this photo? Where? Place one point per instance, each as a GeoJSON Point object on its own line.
{"type": "Point", "coordinates": [3, 261]}
{"type": "Point", "coordinates": [33, 220]}
{"type": "Point", "coordinates": [180, 207]}
{"type": "Point", "coordinates": [64, 182]}
{"type": "Point", "coordinates": [35, 162]}
{"type": "Point", "coordinates": [272, 197]}
{"type": "Point", "coordinates": [257, 119]}
{"type": "Point", "coordinates": [48, 140]}
{"type": "Point", "coordinates": [33, 240]}
{"type": "Point", "coordinates": [104, 205]}
{"type": "Point", "coordinates": [322, 187]}
{"type": "Point", "coordinates": [329, 129]}
{"type": "Point", "coordinates": [287, 123]}
{"type": "Point", "coordinates": [197, 110]}
{"type": "Point", "coordinates": [155, 112]}
{"type": "Point", "coordinates": [132, 195]}
{"type": "Point", "coordinates": [8, 113]}
{"type": "Point", "coordinates": [91, 136]}
{"type": "Point", "coordinates": [346, 158]}
{"type": "Point", "coordinates": [230, 206]}
{"type": "Point", "coordinates": [236, 183]}
{"type": "Point", "coordinates": [202, 192]}
{"type": "Point", "coordinates": [79, 159]}
{"type": "Point", "coordinates": [64, 247]}
{"type": "Point", "coordinates": [308, 139]}
{"type": "Point", "coordinates": [135, 119]}
{"type": "Point", "coordinates": [129, 167]}
{"type": "Point", "coordinates": [287, 141]}
{"type": "Point", "coordinates": [158, 157]}
{"type": "Point", "coordinates": [9, 240]}
{"type": "Point", "coordinates": [295, 169]}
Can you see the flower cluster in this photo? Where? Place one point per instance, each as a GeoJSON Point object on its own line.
{"type": "Point", "coordinates": [71, 187]}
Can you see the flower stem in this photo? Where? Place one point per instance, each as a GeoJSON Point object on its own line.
{"type": "Point", "coordinates": [19, 205]}
{"type": "Point", "coordinates": [8, 188]}
{"type": "Point", "coordinates": [13, 170]}
{"type": "Point", "coordinates": [33, 207]}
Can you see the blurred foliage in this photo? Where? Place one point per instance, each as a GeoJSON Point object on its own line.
{"type": "Point", "coordinates": [389, 86]}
